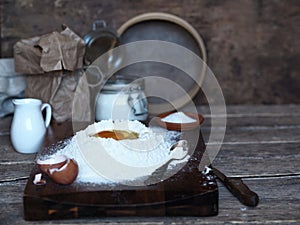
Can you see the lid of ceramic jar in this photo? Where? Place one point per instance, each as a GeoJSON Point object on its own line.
{"type": "Point", "coordinates": [119, 83]}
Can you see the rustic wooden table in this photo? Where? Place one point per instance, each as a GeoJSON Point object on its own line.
{"type": "Point", "coordinates": [261, 146]}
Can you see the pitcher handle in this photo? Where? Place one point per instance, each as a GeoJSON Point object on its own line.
{"type": "Point", "coordinates": [48, 113]}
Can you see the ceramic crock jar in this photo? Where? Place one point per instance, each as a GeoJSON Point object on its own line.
{"type": "Point", "coordinates": [122, 98]}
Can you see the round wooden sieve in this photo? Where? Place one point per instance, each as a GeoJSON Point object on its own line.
{"type": "Point", "coordinates": [165, 27]}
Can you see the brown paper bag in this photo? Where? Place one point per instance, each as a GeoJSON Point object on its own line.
{"type": "Point", "coordinates": [50, 52]}
{"type": "Point", "coordinates": [56, 89]}
{"type": "Point", "coordinates": [52, 63]}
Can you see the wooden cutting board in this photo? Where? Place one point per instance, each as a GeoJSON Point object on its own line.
{"type": "Point", "coordinates": [187, 193]}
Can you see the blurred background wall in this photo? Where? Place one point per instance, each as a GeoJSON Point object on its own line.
{"type": "Point", "coordinates": [252, 45]}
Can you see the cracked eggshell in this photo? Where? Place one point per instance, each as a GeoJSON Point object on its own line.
{"type": "Point", "coordinates": [65, 174]}
{"type": "Point", "coordinates": [50, 163]}
{"type": "Point", "coordinates": [60, 169]}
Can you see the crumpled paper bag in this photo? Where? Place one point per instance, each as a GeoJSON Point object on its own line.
{"type": "Point", "coordinates": [53, 65]}
{"type": "Point", "coordinates": [56, 89]}
{"type": "Point", "coordinates": [56, 51]}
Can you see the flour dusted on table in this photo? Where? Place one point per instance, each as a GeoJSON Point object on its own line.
{"type": "Point", "coordinates": [151, 149]}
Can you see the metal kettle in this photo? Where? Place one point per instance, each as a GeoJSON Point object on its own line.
{"type": "Point", "coordinates": [99, 40]}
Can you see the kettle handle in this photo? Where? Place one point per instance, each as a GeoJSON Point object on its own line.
{"type": "Point", "coordinates": [48, 113]}
{"type": "Point", "coordinates": [99, 22]}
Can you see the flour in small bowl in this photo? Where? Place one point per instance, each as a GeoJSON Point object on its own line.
{"type": "Point", "coordinates": [150, 150]}
{"type": "Point", "coordinates": [178, 117]}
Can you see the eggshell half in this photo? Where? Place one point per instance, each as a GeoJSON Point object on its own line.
{"type": "Point", "coordinates": [50, 163]}
{"type": "Point", "coordinates": [65, 174]}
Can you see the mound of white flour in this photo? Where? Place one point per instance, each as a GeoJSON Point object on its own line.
{"type": "Point", "coordinates": [150, 149]}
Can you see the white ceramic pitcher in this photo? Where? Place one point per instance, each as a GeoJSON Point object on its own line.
{"type": "Point", "coordinates": [28, 126]}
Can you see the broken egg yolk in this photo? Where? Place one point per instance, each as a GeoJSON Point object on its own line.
{"type": "Point", "coordinates": [117, 134]}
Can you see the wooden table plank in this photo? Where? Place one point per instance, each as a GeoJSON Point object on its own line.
{"type": "Point", "coordinates": [8, 153]}
{"type": "Point", "coordinates": [257, 110]}
{"type": "Point", "coordinates": [255, 121]}
{"type": "Point", "coordinates": [272, 207]}
{"type": "Point", "coordinates": [274, 115]}
{"type": "Point", "coordinates": [5, 123]}
{"type": "Point", "coordinates": [15, 171]}
{"type": "Point", "coordinates": [259, 160]}
{"type": "Point", "coordinates": [254, 135]}
{"type": "Point", "coordinates": [13, 193]}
